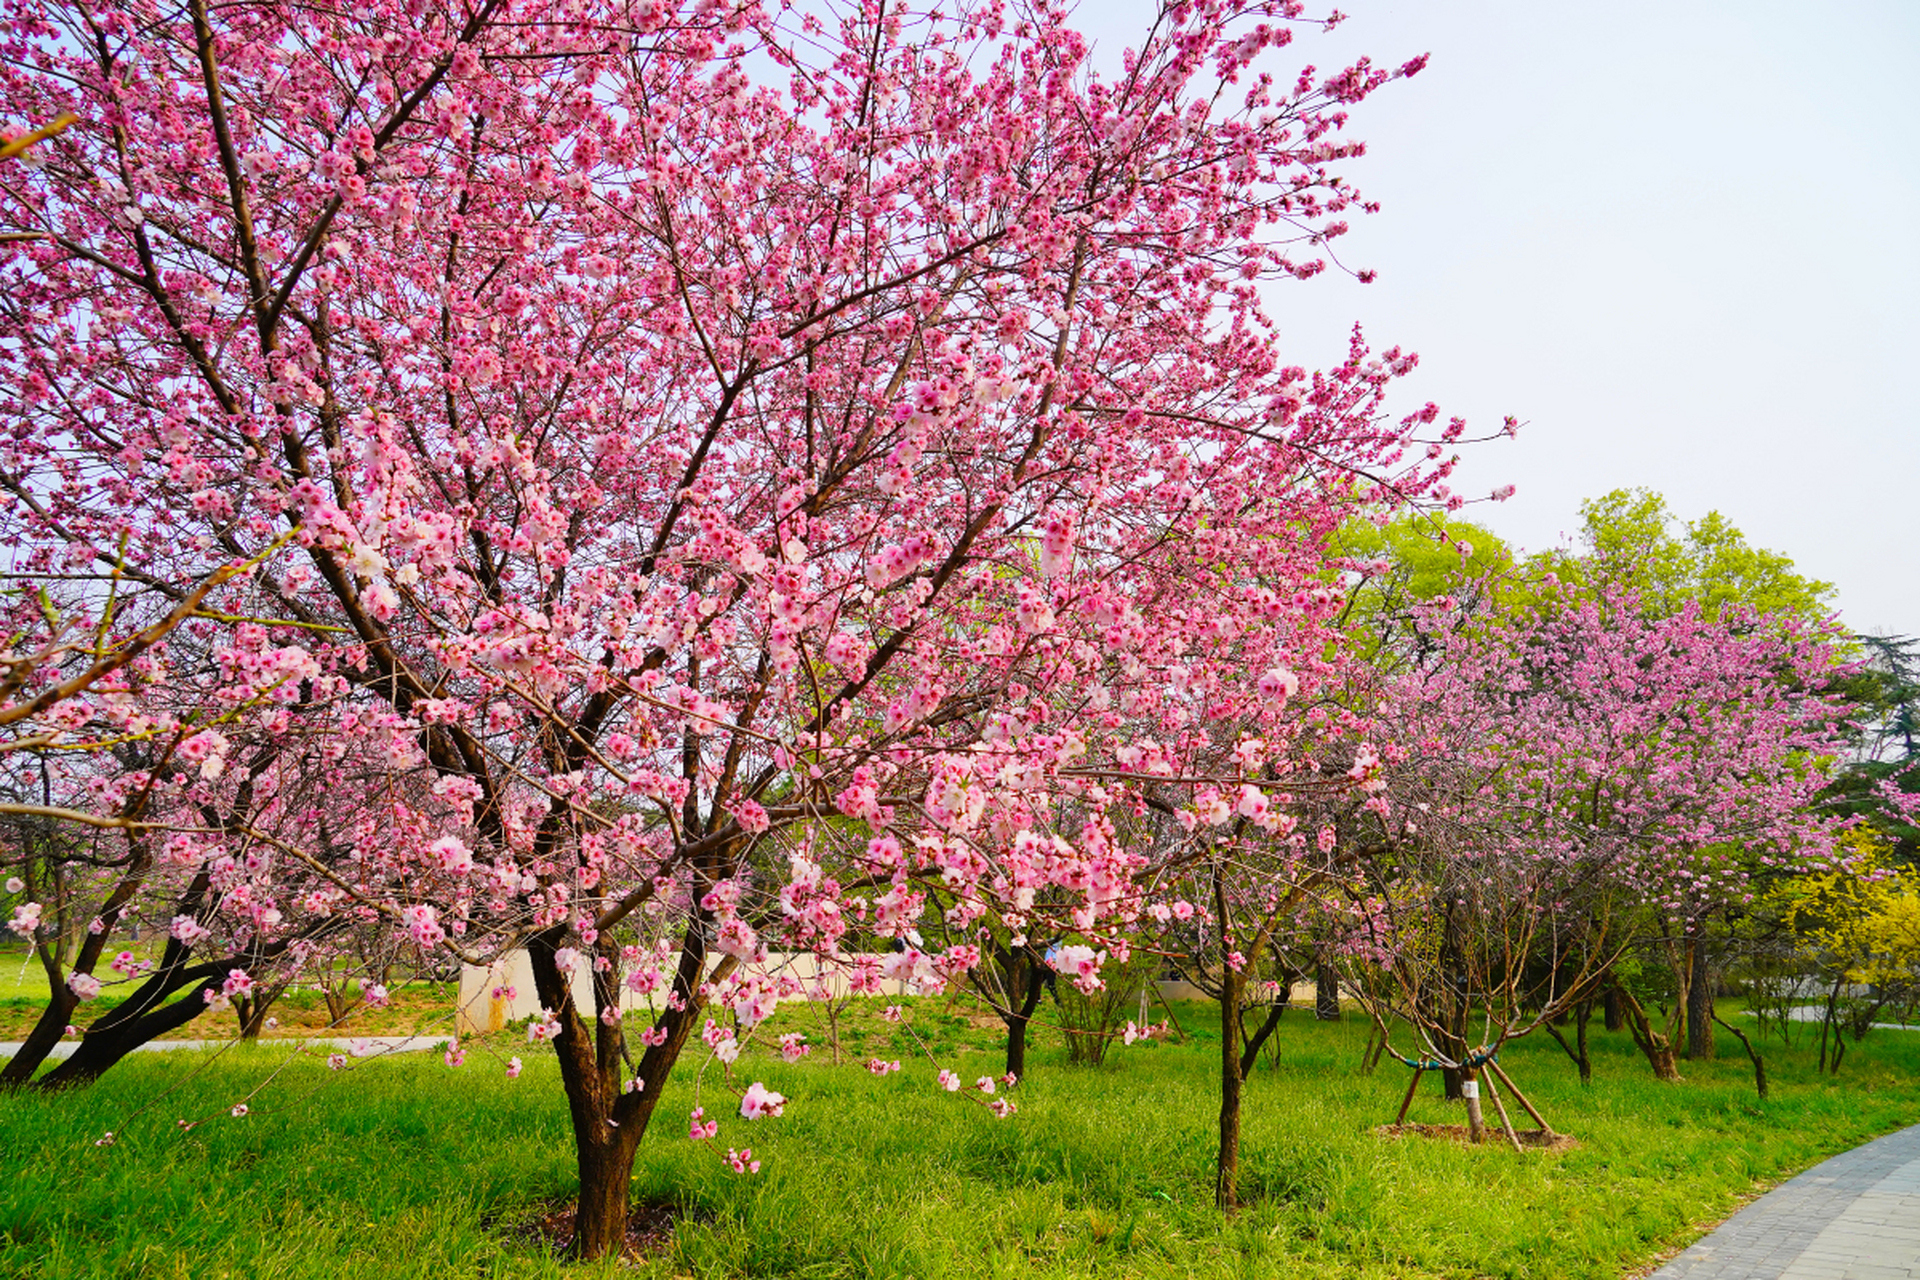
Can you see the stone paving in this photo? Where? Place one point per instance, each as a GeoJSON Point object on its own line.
{"type": "Point", "coordinates": [1855, 1217]}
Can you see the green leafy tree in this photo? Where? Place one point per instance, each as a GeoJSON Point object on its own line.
{"type": "Point", "coordinates": [1632, 538]}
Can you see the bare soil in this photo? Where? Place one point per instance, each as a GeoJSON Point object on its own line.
{"type": "Point", "coordinates": [649, 1227]}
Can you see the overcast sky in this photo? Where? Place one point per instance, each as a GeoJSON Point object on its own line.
{"type": "Point", "coordinates": [1680, 241]}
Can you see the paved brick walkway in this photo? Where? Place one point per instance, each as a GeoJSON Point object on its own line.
{"type": "Point", "coordinates": [1855, 1217]}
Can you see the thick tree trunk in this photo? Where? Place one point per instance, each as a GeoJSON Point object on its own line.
{"type": "Point", "coordinates": [130, 1026]}
{"type": "Point", "coordinates": [606, 1183]}
{"type": "Point", "coordinates": [1700, 1002]}
{"type": "Point", "coordinates": [1326, 994]}
{"type": "Point", "coordinates": [1018, 1021]}
{"type": "Point", "coordinates": [252, 1011]}
{"type": "Point", "coordinates": [1654, 1044]}
{"type": "Point", "coordinates": [1613, 1012]}
{"type": "Point", "coordinates": [1226, 1193]}
{"type": "Point", "coordinates": [1017, 1047]}
{"type": "Point", "coordinates": [609, 1118]}
{"type": "Point", "coordinates": [46, 1033]}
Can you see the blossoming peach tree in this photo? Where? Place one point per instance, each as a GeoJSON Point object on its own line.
{"type": "Point", "coordinates": [1567, 782]}
{"type": "Point", "coordinates": [677, 479]}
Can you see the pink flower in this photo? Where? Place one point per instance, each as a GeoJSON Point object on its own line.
{"type": "Point", "coordinates": [335, 1061]}
{"type": "Point", "coordinates": [455, 1055]}
{"type": "Point", "coordinates": [513, 1068]}
{"type": "Point", "coordinates": [949, 1081]}
{"type": "Point", "coordinates": [451, 855]}
{"type": "Point", "coordinates": [15, 884]}
{"type": "Point", "coordinates": [761, 1101]}
{"type": "Point", "coordinates": [794, 1046]}
{"type": "Point", "coordinates": [880, 1066]}
{"type": "Point", "coordinates": [26, 919]}
{"type": "Point", "coordinates": [742, 1160]}
{"type": "Point", "coordinates": [237, 983]}
{"type": "Point", "coordinates": [375, 996]}
{"type": "Point", "coordinates": [984, 1084]}
{"type": "Point", "coordinates": [84, 985]}
{"type": "Point", "coordinates": [1278, 684]}
{"type": "Point", "coordinates": [422, 924]}
{"type": "Point", "coordinates": [238, 1109]}
{"type": "Point", "coordinates": [696, 1130]}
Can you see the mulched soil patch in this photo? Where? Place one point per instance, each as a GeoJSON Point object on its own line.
{"type": "Point", "coordinates": [649, 1227]}
{"type": "Point", "coordinates": [1530, 1139]}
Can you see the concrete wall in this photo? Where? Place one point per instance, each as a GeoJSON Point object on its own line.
{"type": "Point", "coordinates": [480, 1011]}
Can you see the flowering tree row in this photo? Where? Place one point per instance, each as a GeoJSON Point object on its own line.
{"type": "Point", "coordinates": [634, 474]}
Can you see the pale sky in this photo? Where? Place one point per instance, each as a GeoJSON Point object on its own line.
{"type": "Point", "coordinates": [1680, 241]}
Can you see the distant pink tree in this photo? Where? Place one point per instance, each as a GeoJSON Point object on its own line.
{"type": "Point", "coordinates": [1563, 777]}
{"type": "Point", "coordinates": [693, 423]}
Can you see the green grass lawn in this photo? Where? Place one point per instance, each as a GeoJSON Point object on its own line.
{"type": "Point", "coordinates": [405, 1167]}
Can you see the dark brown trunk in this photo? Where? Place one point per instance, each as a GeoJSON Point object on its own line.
{"type": "Point", "coordinates": [1017, 1047]}
{"type": "Point", "coordinates": [1326, 994]}
{"type": "Point", "coordinates": [1828, 1023]}
{"type": "Point", "coordinates": [112, 1038]}
{"type": "Point", "coordinates": [1700, 1003]}
{"type": "Point", "coordinates": [1032, 976]}
{"type": "Point", "coordinates": [608, 1118]}
{"type": "Point", "coordinates": [1254, 1043]}
{"type": "Point", "coordinates": [1226, 1191]}
{"type": "Point", "coordinates": [1759, 1064]}
{"type": "Point", "coordinates": [46, 1033]}
{"type": "Point", "coordinates": [1578, 1050]}
{"type": "Point", "coordinates": [1613, 1012]}
{"type": "Point", "coordinates": [251, 1011]}
{"type": "Point", "coordinates": [606, 1182]}
{"type": "Point", "coordinates": [1653, 1043]}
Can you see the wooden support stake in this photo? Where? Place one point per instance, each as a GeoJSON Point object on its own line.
{"type": "Point", "coordinates": [1500, 1108]}
{"type": "Point", "coordinates": [1171, 1017]}
{"type": "Point", "coordinates": [1408, 1100]}
{"type": "Point", "coordinates": [1521, 1098]}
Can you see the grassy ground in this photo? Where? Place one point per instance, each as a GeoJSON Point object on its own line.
{"type": "Point", "coordinates": [403, 1167]}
